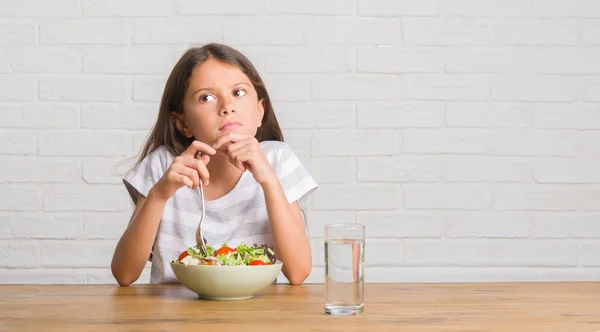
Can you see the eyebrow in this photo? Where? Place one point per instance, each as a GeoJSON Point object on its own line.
{"type": "Point", "coordinates": [238, 83]}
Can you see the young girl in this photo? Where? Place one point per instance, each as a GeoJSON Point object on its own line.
{"type": "Point", "coordinates": [214, 103]}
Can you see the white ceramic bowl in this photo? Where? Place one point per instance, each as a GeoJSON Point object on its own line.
{"type": "Point", "coordinates": [220, 282]}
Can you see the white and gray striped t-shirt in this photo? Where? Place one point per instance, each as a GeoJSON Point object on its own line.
{"type": "Point", "coordinates": [239, 216]}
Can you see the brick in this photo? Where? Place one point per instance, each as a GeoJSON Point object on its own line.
{"type": "Point", "coordinates": [327, 59]}
{"type": "Point", "coordinates": [587, 254]}
{"type": "Point", "coordinates": [298, 115]}
{"type": "Point", "coordinates": [84, 197]}
{"type": "Point", "coordinates": [532, 143]}
{"type": "Point", "coordinates": [108, 31]}
{"type": "Point", "coordinates": [590, 33]}
{"type": "Point", "coordinates": [500, 252]}
{"type": "Point", "coordinates": [374, 248]}
{"type": "Point", "coordinates": [445, 87]}
{"type": "Point", "coordinates": [399, 169]}
{"type": "Point", "coordinates": [461, 141]}
{"type": "Point", "coordinates": [487, 169]}
{"type": "Point", "coordinates": [534, 88]}
{"type": "Point", "coordinates": [14, 169]}
{"type": "Point", "coordinates": [287, 87]}
{"type": "Point", "coordinates": [18, 142]}
{"type": "Point", "coordinates": [487, 8]}
{"type": "Point", "coordinates": [399, 8]}
{"type": "Point", "coordinates": [128, 8]}
{"type": "Point", "coordinates": [177, 30]}
{"type": "Point", "coordinates": [535, 32]}
{"type": "Point", "coordinates": [30, 59]}
{"type": "Point", "coordinates": [566, 8]}
{"type": "Point", "coordinates": [42, 276]}
{"type": "Point", "coordinates": [85, 88]}
{"type": "Point", "coordinates": [528, 197]}
{"type": "Point", "coordinates": [79, 253]}
{"type": "Point", "coordinates": [344, 142]}
{"type": "Point", "coordinates": [148, 88]}
{"type": "Point", "coordinates": [40, 8]}
{"type": "Point", "coordinates": [20, 253]}
{"type": "Point", "coordinates": [487, 225]}
{"type": "Point", "coordinates": [311, 7]}
{"type": "Point", "coordinates": [587, 197]}
{"type": "Point", "coordinates": [225, 7]}
{"type": "Point", "coordinates": [376, 87]}
{"type": "Point", "coordinates": [580, 61]}
{"type": "Point", "coordinates": [318, 219]}
{"type": "Point", "coordinates": [12, 34]}
{"type": "Point", "coordinates": [452, 31]}
{"type": "Point", "coordinates": [299, 141]}
{"type": "Point", "coordinates": [354, 31]}
{"type": "Point", "coordinates": [105, 171]}
{"type": "Point", "coordinates": [567, 171]}
{"type": "Point", "coordinates": [476, 196]}
{"type": "Point", "coordinates": [332, 170]}
{"type": "Point", "coordinates": [148, 59]}
{"type": "Point", "coordinates": [591, 92]}
{"type": "Point", "coordinates": [400, 115]}
{"type": "Point", "coordinates": [105, 225]}
{"type": "Point", "coordinates": [489, 60]}
{"type": "Point", "coordinates": [42, 226]}
{"type": "Point", "coordinates": [357, 197]}
{"type": "Point", "coordinates": [20, 197]}
{"type": "Point", "coordinates": [476, 115]}
{"type": "Point", "coordinates": [404, 224]}
{"type": "Point", "coordinates": [565, 225]}
{"type": "Point", "coordinates": [587, 144]}
{"type": "Point", "coordinates": [265, 31]}
{"type": "Point", "coordinates": [17, 88]}
{"type": "Point", "coordinates": [128, 116]}
{"type": "Point", "coordinates": [399, 60]}
{"type": "Point", "coordinates": [139, 138]}
{"type": "Point", "coordinates": [84, 143]}
{"type": "Point", "coordinates": [39, 116]}
{"type": "Point", "coordinates": [570, 116]}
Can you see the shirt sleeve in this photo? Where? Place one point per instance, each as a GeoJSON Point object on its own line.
{"type": "Point", "coordinates": [293, 175]}
{"type": "Point", "coordinates": [142, 177]}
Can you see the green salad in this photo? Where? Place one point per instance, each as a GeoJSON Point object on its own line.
{"type": "Point", "coordinates": [225, 255]}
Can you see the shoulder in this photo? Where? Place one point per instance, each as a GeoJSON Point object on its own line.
{"type": "Point", "coordinates": [276, 151]}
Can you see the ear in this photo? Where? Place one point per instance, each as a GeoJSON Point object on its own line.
{"type": "Point", "coordinates": [181, 123]}
{"type": "Point", "coordinates": [261, 111]}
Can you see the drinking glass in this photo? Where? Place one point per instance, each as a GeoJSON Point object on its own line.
{"type": "Point", "coordinates": [344, 269]}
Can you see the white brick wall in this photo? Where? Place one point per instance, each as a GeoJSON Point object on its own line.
{"type": "Point", "coordinates": [463, 133]}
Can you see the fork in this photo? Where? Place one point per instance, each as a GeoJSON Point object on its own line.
{"type": "Point", "coordinates": [199, 237]}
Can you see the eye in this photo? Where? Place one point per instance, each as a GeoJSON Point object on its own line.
{"type": "Point", "coordinates": [239, 92]}
{"type": "Point", "coordinates": [206, 98]}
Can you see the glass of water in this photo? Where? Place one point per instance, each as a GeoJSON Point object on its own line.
{"type": "Point", "coordinates": [344, 269]}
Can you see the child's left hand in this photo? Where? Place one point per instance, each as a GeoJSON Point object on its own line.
{"type": "Point", "coordinates": [244, 152]}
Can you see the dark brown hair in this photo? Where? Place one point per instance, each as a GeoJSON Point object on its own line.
{"type": "Point", "coordinates": [165, 131]}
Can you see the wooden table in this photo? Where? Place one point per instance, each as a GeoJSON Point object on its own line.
{"type": "Point", "coordinates": [564, 307]}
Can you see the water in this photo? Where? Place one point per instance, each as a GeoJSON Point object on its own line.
{"type": "Point", "coordinates": [344, 280]}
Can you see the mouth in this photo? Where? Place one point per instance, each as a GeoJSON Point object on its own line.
{"type": "Point", "coordinates": [230, 125]}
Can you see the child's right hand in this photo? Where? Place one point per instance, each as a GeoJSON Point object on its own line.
{"type": "Point", "coordinates": [185, 170]}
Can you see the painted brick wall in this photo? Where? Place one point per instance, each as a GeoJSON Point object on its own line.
{"type": "Point", "coordinates": [464, 133]}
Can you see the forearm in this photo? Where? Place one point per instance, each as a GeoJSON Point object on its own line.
{"type": "Point", "coordinates": [289, 238]}
{"type": "Point", "coordinates": [135, 246]}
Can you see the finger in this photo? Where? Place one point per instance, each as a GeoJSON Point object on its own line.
{"type": "Point", "coordinates": [183, 169]}
{"type": "Point", "coordinates": [229, 137]}
{"type": "Point", "coordinates": [242, 155]}
{"type": "Point", "coordinates": [198, 146]}
{"type": "Point", "coordinates": [181, 179]}
{"type": "Point", "coordinates": [199, 166]}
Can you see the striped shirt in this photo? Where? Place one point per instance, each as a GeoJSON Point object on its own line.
{"type": "Point", "coordinates": [239, 216]}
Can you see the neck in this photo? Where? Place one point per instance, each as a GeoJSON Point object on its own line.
{"type": "Point", "coordinates": [223, 175]}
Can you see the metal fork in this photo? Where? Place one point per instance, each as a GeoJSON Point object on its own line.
{"type": "Point", "coordinates": [199, 237]}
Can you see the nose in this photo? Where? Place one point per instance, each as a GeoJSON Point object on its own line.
{"type": "Point", "coordinates": [227, 107]}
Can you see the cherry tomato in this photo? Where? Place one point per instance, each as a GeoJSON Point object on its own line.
{"type": "Point", "coordinates": [207, 262]}
{"type": "Point", "coordinates": [223, 251]}
{"type": "Point", "coordinates": [183, 255]}
{"type": "Point", "coordinates": [257, 262]}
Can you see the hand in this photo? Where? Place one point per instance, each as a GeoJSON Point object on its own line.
{"type": "Point", "coordinates": [185, 170]}
{"type": "Point", "coordinates": [246, 154]}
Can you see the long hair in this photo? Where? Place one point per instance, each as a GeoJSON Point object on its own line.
{"type": "Point", "coordinates": [165, 131]}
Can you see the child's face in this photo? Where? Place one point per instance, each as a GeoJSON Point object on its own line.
{"type": "Point", "coordinates": [220, 99]}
